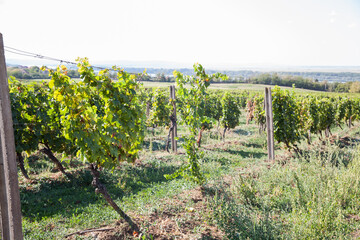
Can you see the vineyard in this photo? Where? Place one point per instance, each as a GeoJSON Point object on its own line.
{"type": "Point", "coordinates": [97, 160]}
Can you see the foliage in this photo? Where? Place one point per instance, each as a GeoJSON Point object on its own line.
{"type": "Point", "coordinates": [25, 115]}
{"type": "Point", "coordinates": [345, 110]}
{"type": "Point", "coordinates": [102, 118]}
{"type": "Point", "coordinates": [33, 72]}
{"type": "Point", "coordinates": [304, 115]}
{"type": "Point", "coordinates": [160, 109]}
{"type": "Point", "coordinates": [212, 109]}
{"type": "Point", "coordinates": [259, 112]}
{"type": "Point", "coordinates": [355, 87]}
{"type": "Point", "coordinates": [36, 117]}
{"type": "Point", "coordinates": [286, 119]}
{"type": "Point", "coordinates": [242, 98]}
{"type": "Point", "coordinates": [321, 114]}
{"type": "Point", "coordinates": [191, 90]}
{"type": "Point", "coordinates": [300, 82]}
{"type": "Point", "coordinates": [230, 111]}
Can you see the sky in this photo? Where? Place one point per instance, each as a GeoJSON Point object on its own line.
{"type": "Point", "coordinates": [215, 33]}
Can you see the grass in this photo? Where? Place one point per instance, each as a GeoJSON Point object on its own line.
{"type": "Point", "coordinates": [309, 198]}
{"type": "Point", "coordinates": [229, 86]}
{"type": "Point", "coordinates": [312, 196]}
{"type": "Point", "coordinates": [251, 88]}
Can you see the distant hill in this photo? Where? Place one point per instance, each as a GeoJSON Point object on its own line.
{"type": "Point", "coordinates": [246, 74]}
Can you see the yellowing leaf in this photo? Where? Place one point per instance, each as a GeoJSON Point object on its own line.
{"type": "Point", "coordinates": [58, 96]}
{"type": "Point", "coordinates": [51, 83]}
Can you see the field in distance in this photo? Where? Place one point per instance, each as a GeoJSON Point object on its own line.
{"type": "Point", "coordinates": [235, 86]}
{"type": "Point", "coordinates": [226, 86]}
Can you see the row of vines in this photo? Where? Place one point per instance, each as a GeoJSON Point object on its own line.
{"type": "Point", "coordinates": [103, 121]}
{"type": "Point", "coordinates": [297, 117]}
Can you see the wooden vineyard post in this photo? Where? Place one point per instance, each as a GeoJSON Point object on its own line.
{"type": "Point", "coordinates": [350, 122]}
{"type": "Point", "coordinates": [11, 209]}
{"type": "Point", "coordinates": [269, 123]}
{"type": "Point", "coordinates": [147, 107]}
{"type": "Point", "coordinates": [3, 201]}
{"type": "Point", "coordinates": [173, 121]}
{"type": "Point", "coordinates": [350, 114]}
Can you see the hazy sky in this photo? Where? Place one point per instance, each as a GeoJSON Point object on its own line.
{"type": "Point", "coordinates": [212, 32]}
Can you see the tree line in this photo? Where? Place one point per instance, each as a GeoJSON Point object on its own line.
{"type": "Point", "coordinates": [341, 82]}
{"type": "Point", "coordinates": [34, 72]}
{"type": "Point", "coordinates": [305, 83]}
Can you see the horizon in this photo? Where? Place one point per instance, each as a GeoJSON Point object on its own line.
{"type": "Point", "coordinates": [28, 62]}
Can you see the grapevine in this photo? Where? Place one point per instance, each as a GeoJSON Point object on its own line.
{"type": "Point", "coordinates": [192, 91]}
{"type": "Point", "coordinates": [259, 112]}
{"type": "Point", "coordinates": [230, 112]}
{"type": "Point", "coordinates": [286, 118]}
{"type": "Point", "coordinates": [104, 119]}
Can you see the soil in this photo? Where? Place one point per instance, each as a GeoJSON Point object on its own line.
{"type": "Point", "coordinates": [183, 217]}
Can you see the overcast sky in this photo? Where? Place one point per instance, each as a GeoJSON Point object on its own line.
{"type": "Point", "coordinates": [219, 33]}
